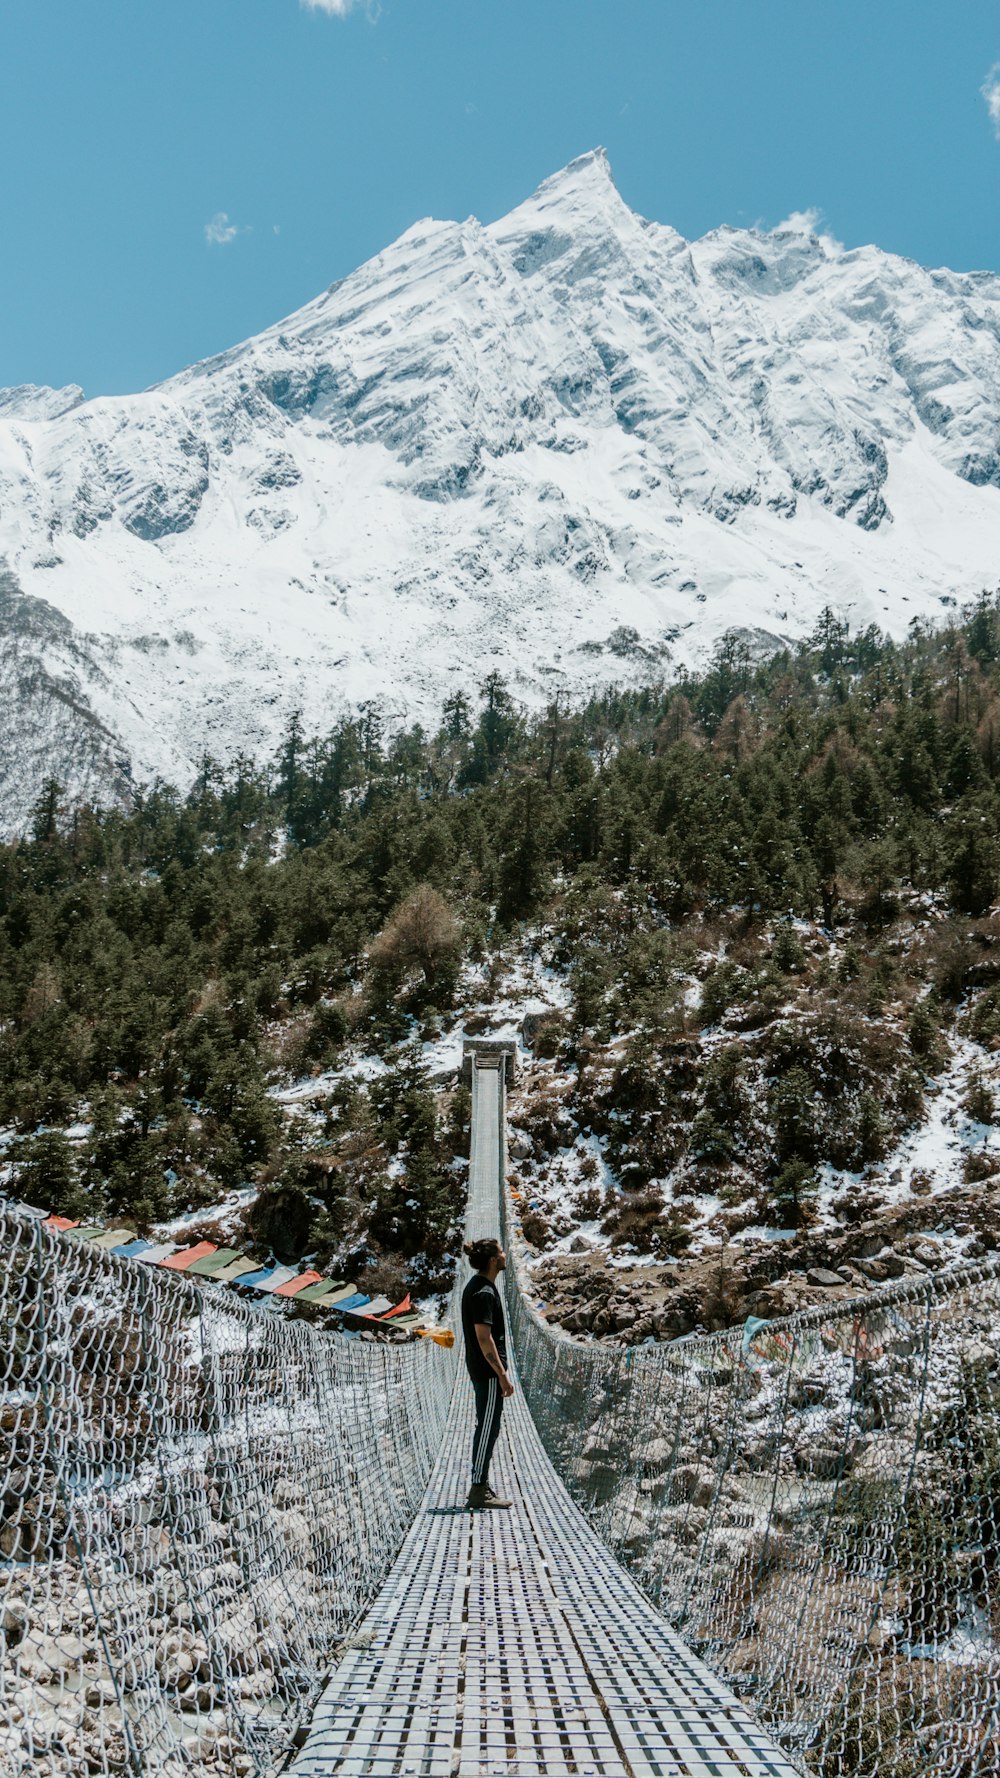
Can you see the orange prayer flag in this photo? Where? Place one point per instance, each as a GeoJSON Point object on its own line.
{"type": "Point", "coordinates": [400, 1309]}
{"type": "Point", "coordinates": [294, 1285]}
{"type": "Point", "coordinates": [179, 1262]}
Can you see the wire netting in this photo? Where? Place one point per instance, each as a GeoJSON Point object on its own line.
{"type": "Point", "coordinates": [197, 1499]}
{"type": "Point", "coordinates": [814, 1504]}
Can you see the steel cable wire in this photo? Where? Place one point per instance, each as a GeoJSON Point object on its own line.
{"type": "Point", "coordinates": [197, 1499]}
{"type": "Point", "coordinates": [817, 1508]}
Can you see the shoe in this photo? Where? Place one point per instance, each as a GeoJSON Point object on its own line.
{"type": "Point", "coordinates": [482, 1496]}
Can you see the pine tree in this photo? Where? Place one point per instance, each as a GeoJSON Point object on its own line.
{"type": "Point", "coordinates": [48, 1175]}
{"type": "Point", "coordinates": [495, 729]}
{"type": "Point", "coordinates": [245, 1115]}
{"type": "Point", "coordinates": [46, 814]}
{"type": "Point", "coordinates": [289, 775]}
{"type": "Point", "coordinates": [973, 854]}
{"type": "Point", "coordinates": [789, 1197]}
{"type": "Point", "coordinates": [522, 873]}
{"type": "Point", "coordinates": [984, 629]}
{"type": "Point", "coordinates": [457, 717]}
{"type": "Point", "coordinates": [793, 1109]}
{"type": "Point", "coordinates": [830, 638]}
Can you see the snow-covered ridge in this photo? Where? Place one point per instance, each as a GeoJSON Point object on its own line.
{"type": "Point", "coordinates": [570, 445]}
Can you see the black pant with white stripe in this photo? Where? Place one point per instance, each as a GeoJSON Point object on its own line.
{"type": "Point", "coordinates": [489, 1407]}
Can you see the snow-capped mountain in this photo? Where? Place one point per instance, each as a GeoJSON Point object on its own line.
{"type": "Point", "coordinates": [570, 445]}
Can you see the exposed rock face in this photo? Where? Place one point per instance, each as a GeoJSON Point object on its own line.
{"type": "Point", "coordinates": [768, 1280]}
{"type": "Point", "coordinates": [571, 445]}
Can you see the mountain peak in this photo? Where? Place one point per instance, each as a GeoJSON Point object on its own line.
{"type": "Point", "coordinates": [571, 446]}
{"type": "Point", "coordinates": [588, 174]}
{"type": "Point", "coordinates": [592, 165]}
{"type": "Point", "coordinates": [581, 193]}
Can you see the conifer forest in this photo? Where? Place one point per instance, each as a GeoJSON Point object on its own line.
{"type": "Point", "coordinates": [769, 890]}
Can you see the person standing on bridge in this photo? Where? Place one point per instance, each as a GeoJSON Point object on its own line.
{"type": "Point", "coordinates": [485, 1336]}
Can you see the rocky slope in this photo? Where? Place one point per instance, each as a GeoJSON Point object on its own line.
{"type": "Point", "coordinates": [571, 445]}
{"type": "Point", "coordinates": [644, 1211]}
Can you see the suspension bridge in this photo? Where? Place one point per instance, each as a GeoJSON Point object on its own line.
{"type": "Point", "coordinates": [512, 1642]}
{"type": "Point", "coordinates": [234, 1545]}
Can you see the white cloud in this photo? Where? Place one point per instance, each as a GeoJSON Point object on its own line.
{"type": "Point", "coordinates": [800, 222]}
{"type": "Point", "coordinates": [339, 9]}
{"type": "Point", "coordinates": [990, 90]}
{"type": "Point", "coordinates": [220, 231]}
{"type": "Point", "coordinates": [810, 222]}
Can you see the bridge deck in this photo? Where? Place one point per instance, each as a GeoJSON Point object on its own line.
{"type": "Point", "coordinates": [512, 1642]}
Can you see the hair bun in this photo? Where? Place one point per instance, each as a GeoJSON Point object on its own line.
{"type": "Point", "coordinates": [482, 1251]}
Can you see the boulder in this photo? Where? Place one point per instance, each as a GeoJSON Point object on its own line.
{"type": "Point", "coordinates": [48, 1658]}
{"type": "Point", "coordinates": [870, 1243]}
{"type": "Point", "coordinates": [928, 1255]}
{"type": "Point", "coordinates": [825, 1462]}
{"type": "Point", "coordinates": [200, 1698]}
{"type": "Point", "coordinates": [672, 1322]}
{"type": "Point", "coordinates": [693, 1484]}
{"type": "Point", "coordinates": [887, 1265]}
{"type": "Point", "coordinates": [176, 1668]}
{"type": "Point", "coordinates": [237, 1637]}
{"type": "Point", "coordinates": [806, 1392]}
{"type": "Point", "coordinates": [100, 1693]}
{"type": "Point", "coordinates": [773, 1302]}
{"type": "Point", "coordinates": [287, 1493]}
{"type": "Point", "coordinates": [256, 1685]}
{"type": "Point", "coordinates": [596, 1449]}
{"type": "Point", "coordinates": [872, 1269]}
{"type": "Point", "coordinates": [818, 1275]}
{"type": "Point", "coordinates": [657, 1455]}
{"type": "Point", "coordinates": [296, 1531]}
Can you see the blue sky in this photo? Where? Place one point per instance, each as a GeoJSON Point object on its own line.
{"type": "Point", "coordinates": [304, 137]}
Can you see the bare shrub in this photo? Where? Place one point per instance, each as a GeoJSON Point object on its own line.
{"type": "Point", "coordinates": [535, 1228]}
{"type": "Point", "coordinates": [587, 1203]}
{"type": "Point", "coordinates": [421, 933]}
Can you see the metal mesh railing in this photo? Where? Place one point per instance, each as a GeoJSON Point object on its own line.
{"type": "Point", "coordinates": [814, 1504]}
{"type": "Point", "coordinates": [197, 1499]}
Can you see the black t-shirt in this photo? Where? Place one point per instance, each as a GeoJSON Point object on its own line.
{"type": "Point", "coordinates": [481, 1304]}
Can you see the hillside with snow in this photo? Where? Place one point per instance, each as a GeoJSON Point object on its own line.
{"type": "Point", "coordinates": [570, 445]}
